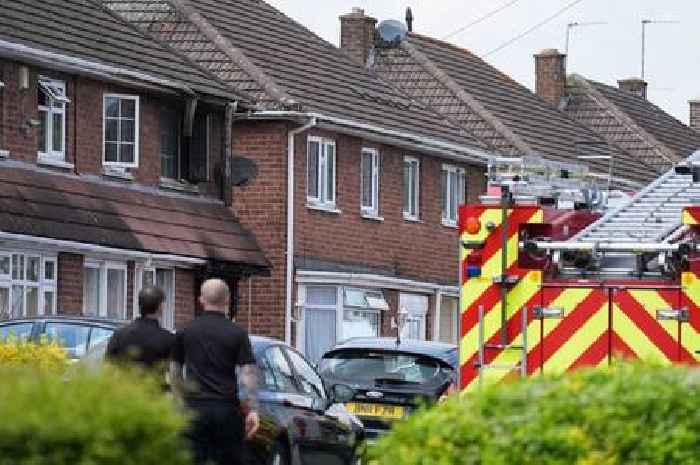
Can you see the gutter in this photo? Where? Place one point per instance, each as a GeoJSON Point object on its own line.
{"type": "Point", "coordinates": [419, 142]}
{"type": "Point", "coordinates": [373, 281]}
{"type": "Point", "coordinates": [24, 53]}
{"type": "Point", "coordinates": [80, 247]}
{"type": "Point", "coordinates": [289, 284]}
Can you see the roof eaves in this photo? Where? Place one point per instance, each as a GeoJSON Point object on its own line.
{"type": "Point", "coordinates": [271, 88]}
{"type": "Point", "coordinates": [657, 146]}
{"type": "Point", "coordinates": [443, 78]}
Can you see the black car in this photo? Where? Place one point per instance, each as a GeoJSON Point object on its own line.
{"type": "Point", "coordinates": [390, 379]}
{"type": "Point", "coordinates": [75, 334]}
{"type": "Point", "coordinates": [302, 420]}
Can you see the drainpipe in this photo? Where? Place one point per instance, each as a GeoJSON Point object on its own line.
{"type": "Point", "coordinates": [290, 228]}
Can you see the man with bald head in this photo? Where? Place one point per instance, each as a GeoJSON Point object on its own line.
{"type": "Point", "coordinates": [206, 355]}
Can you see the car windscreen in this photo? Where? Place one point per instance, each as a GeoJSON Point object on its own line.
{"type": "Point", "coordinates": [382, 367]}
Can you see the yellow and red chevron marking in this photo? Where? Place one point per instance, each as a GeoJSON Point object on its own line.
{"type": "Point", "coordinates": [481, 291]}
{"type": "Point", "coordinates": [691, 216]}
{"type": "Point", "coordinates": [690, 299]}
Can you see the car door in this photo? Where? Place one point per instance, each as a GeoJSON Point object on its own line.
{"type": "Point", "coordinates": [328, 439]}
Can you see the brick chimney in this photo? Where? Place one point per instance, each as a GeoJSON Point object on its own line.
{"type": "Point", "coordinates": [357, 34]}
{"type": "Point", "coordinates": [550, 76]}
{"type": "Point", "coordinates": [634, 85]}
{"type": "Point", "coordinates": [695, 114]}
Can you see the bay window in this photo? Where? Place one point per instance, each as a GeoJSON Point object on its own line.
{"type": "Point", "coordinates": [414, 308]}
{"type": "Point", "coordinates": [27, 284]}
{"type": "Point", "coordinates": [104, 289]}
{"type": "Point", "coordinates": [333, 313]}
{"type": "Point", "coordinates": [453, 193]}
{"type": "Point", "coordinates": [320, 172]}
{"type": "Point", "coordinates": [51, 103]}
{"type": "Point", "coordinates": [164, 279]}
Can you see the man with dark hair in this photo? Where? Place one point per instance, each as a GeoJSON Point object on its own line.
{"type": "Point", "coordinates": [209, 350]}
{"type": "Point", "coordinates": [143, 341]}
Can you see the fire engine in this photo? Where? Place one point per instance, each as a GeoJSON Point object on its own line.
{"type": "Point", "coordinates": [554, 278]}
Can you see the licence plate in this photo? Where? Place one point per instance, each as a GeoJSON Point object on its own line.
{"type": "Point", "coordinates": [376, 410]}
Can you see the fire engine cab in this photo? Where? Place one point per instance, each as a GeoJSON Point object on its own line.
{"type": "Point", "coordinates": [553, 277]}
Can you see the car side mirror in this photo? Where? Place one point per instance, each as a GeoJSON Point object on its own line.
{"type": "Point", "coordinates": [341, 393]}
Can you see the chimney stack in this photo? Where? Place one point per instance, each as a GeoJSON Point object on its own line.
{"type": "Point", "coordinates": [695, 114]}
{"type": "Point", "coordinates": [409, 19]}
{"type": "Point", "coordinates": [634, 85]}
{"type": "Point", "coordinates": [550, 76]}
{"type": "Point", "coordinates": [357, 35]}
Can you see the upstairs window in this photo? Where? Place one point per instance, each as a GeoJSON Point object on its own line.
{"type": "Point", "coordinates": [51, 103]}
{"type": "Point", "coordinates": [184, 158]}
{"type": "Point", "coordinates": [411, 188]}
{"type": "Point", "coordinates": [170, 144]}
{"type": "Point", "coordinates": [121, 131]}
{"type": "Point", "coordinates": [370, 182]}
{"type": "Point", "coordinates": [320, 172]}
{"type": "Point", "coordinates": [453, 191]}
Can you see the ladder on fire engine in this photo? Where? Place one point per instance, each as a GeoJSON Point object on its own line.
{"type": "Point", "coordinates": [654, 214]}
{"type": "Point", "coordinates": [485, 349]}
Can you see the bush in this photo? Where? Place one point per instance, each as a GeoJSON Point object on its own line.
{"type": "Point", "coordinates": [45, 356]}
{"type": "Point", "coordinates": [111, 417]}
{"type": "Point", "coordinates": [631, 414]}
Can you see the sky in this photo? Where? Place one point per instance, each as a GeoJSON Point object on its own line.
{"type": "Point", "coordinates": [605, 53]}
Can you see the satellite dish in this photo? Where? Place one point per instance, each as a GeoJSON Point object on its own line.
{"type": "Point", "coordinates": [243, 170]}
{"type": "Point", "coordinates": [392, 32]}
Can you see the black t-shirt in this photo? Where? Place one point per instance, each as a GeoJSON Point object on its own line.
{"type": "Point", "coordinates": [142, 341]}
{"type": "Point", "coordinates": [210, 348]}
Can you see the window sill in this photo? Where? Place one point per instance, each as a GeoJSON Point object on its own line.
{"type": "Point", "coordinates": [449, 224]}
{"type": "Point", "coordinates": [4, 154]}
{"type": "Point", "coordinates": [372, 216]}
{"type": "Point", "coordinates": [411, 219]}
{"type": "Point", "coordinates": [117, 173]}
{"type": "Point", "coordinates": [173, 185]}
{"type": "Point", "coordinates": [323, 208]}
{"type": "Point", "coordinates": [46, 161]}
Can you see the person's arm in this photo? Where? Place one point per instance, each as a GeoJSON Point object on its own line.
{"type": "Point", "coordinates": [249, 381]}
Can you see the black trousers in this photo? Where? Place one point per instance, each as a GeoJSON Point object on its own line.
{"type": "Point", "coordinates": [216, 432]}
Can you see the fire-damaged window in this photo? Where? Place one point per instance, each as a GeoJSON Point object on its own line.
{"type": "Point", "coordinates": [453, 193]}
{"type": "Point", "coordinates": [184, 158]}
{"type": "Point", "coordinates": [27, 284]}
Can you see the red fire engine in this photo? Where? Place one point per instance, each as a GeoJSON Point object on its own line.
{"type": "Point", "coordinates": [552, 281]}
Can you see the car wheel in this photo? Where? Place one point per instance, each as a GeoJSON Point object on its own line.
{"type": "Point", "coordinates": [279, 454]}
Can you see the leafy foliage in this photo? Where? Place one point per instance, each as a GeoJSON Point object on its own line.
{"type": "Point", "coordinates": [630, 414]}
{"type": "Point", "coordinates": [45, 356]}
{"type": "Point", "coordinates": [108, 417]}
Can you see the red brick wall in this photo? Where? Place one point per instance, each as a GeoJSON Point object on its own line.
{"type": "Point", "coordinates": [70, 284]}
{"type": "Point", "coordinates": [424, 250]}
{"type": "Point", "coordinates": [550, 76]}
{"type": "Point", "coordinates": [84, 125]}
{"type": "Point", "coordinates": [695, 114]}
{"type": "Point", "coordinates": [260, 206]}
{"type": "Point", "coordinates": [184, 297]}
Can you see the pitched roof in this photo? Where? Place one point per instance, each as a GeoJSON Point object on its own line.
{"type": "Point", "coordinates": [84, 29]}
{"type": "Point", "coordinates": [498, 110]}
{"type": "Point", "coordinates": [256, 48]}
{"type": "Point", "coordinates": [43, 204]}
{"type": "Point", "coordinates": [632, 122]}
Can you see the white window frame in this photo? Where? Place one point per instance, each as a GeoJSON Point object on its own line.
{"type": "Point", "coordinates": [168, 315]}
{"type": "Point", "coordinates": [49, 88]}
{"type": "Point", "coordinates": [321, 199]}
{"type": "Point", "coordinates": [104, 266]}
{"type": "Point", "coordinates": [415, 181]}
{"type": "Point", "coordinates": [446, 193]}
{"type": "Point", "coordinates": [42, 285]}
{"type": "Point", "coordinates": [370, 210]}
{"type": "Point", "coordinates": [119, 164]}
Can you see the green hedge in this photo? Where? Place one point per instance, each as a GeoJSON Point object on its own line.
{"type": "Point", "coordinates": [632, 414]}
{"type": "Point", "coordinates": [110, 417]}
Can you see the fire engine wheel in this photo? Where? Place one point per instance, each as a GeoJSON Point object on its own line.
{"type": "Point", "coordinates": [280, 454]}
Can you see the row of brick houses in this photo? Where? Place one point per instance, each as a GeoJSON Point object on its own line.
{"type": "Point", "coordinates": [170, 140]}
